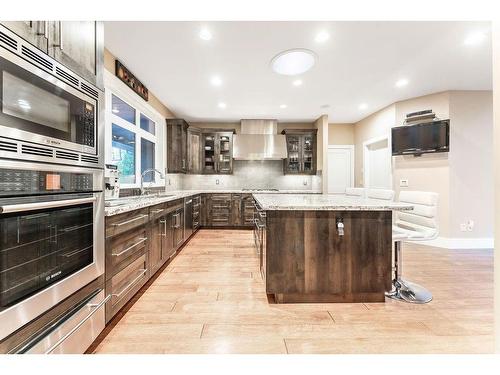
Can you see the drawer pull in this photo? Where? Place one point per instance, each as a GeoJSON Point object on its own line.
{"type": "Point", "coordinates": [130, 247]}
{"type": "Point", "coordinates": [157, 211]}
{"type": "Point", "coordinates": [140, 217]}
{"type": "Point", "coordinates": [131, 284]}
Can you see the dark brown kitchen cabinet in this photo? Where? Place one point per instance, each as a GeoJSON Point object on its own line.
{"type": "Point", "coordinates": [247, 210]}
{"type": "Point", "coordinates": [236, 201]}
{"type": "Point", "coordinates": [219, 210]}
{"type": "Point", "coordinates": [217, 152]}
{"type": "Point", "coordinates": [161, 239]}
{"type": "Point", "coordinates": [34, 32]}
{"type": "Point", "coordinates": [194, 150]}
{"type": "Point", "coordinates": [177, 225]}
{"type": "Point", "coordinates": [78, 45]}
{"type": "Point", "coordinates": [177, 146]}
{"type": "Point", "coordinates": [301, 151]}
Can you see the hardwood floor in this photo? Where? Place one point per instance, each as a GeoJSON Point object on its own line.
{"type": "Point", "coordinates": [211, 299]}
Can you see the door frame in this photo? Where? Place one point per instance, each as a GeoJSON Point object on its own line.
{"type": "Point", "coordinates": [353, 155]}
{"type": "Point", "coordinates": [366, 164]}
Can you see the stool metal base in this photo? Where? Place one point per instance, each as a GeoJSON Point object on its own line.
{"type": "Point", "coordinates": [409, 292]}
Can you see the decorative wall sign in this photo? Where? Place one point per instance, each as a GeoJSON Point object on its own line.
{"type": "Point", "coordinates": [130, 80]}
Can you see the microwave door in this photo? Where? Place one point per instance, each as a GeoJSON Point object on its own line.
{"type": "Point", "coordinates": [39, 108]}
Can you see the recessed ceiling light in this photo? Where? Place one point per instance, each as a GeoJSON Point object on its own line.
{"type": "Point", "coordinates": [216, 81]}
{"type": "Point", "coordinates": [205, 34]}
{"type": "Point", "coordinates": [363, 106]}
{"type": "Point", "coordinates": [475, 38]}
{"type": "Point", "coordinates": [293, 62]}
{"type": "Point", "coordinates": [222, 105]}
{"type": "Point", "coordinates": [297, 82]}
{"type": "Point", "coordinates": [283, 106]}
{"type": "Point", "coordinates": [322, 37]}
{"type": "Point", "coordinates": [401, 82]}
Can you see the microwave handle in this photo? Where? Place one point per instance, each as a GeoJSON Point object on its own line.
{"type": "Point", "coordinates": [41, 205]}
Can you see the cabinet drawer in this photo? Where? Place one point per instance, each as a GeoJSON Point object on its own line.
{"type": "Point", "coordinates": [120, 250]}
{"type": "Point", "coordinates": [158, 211]}
{"type": "Point", "coordinates": [221, 197]}
{"type": "Point", "coordinates": [220, 220]}
{"type": "Point", "coordinates": [123, 222]}
{"type": "Point", "coordinates": [125, 284]}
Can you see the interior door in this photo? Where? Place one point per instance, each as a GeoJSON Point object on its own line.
{"type": "Point", "coordinates": [340, 169]}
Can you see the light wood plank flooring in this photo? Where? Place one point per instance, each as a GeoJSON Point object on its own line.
{"type": "Point", "coordinates": [211, 299]}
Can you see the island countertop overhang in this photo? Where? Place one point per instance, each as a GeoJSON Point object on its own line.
{"type": "Point", "coordinates": [326, 202]}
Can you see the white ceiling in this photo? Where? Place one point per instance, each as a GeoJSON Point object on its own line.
{"type": "Point", "coordinates": [360, 63]}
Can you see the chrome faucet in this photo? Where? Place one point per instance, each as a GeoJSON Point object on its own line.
{"type": "Point", "coordinates": [145, 173]}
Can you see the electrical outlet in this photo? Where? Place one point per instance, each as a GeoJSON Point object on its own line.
{"type": "Point", "coordinates": [304, 182]}
{"type": "Point", "coordinates": [470, 225]}
{"type": "Point", "coordinates": [217, 181]}
{"type": "Point", "coordinates": [463, 227]}
{"type": "Point", "coordinates": [169, 181]}
{"type": "Point", "coordinates": [403, 182]}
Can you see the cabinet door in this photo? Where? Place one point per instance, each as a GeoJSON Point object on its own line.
{"type": "Point", "coordinates": [293, 160]}
{"type": "Point", "coordinates": [224, 153]}
{"type": "Point", "coordinates": [34, 32]}
{"type": "Point", "coordinates": [178, 228]}
{"type": "Point", "coordinates": [236, 210]}
{"type": "Point", "coordinates": [176, 146]}
{"type": "Point", "coordinates": [209, 158]}
{"type": "Point", "coordinates": [308, 161]}
{"type": "Point", "coordinates": [194, 151]}
{"type": "Point", "coordinates": [155, 248]}
{"type": "Point", "coordinates": [168, 237]}
{"type": "Point", "coordinates": [73, 44]}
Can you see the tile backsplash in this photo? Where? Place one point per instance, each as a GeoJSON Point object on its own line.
{"type": "Point", "coordinates": [247, 175]}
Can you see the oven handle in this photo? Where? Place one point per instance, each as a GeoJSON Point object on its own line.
{"type": "Point", "coordinates": [41, 205]}
{"type": "Point", "coordinates": [75, 328]}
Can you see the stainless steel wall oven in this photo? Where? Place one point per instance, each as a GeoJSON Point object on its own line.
{"type": "Point", "coordinates": [51, 237]}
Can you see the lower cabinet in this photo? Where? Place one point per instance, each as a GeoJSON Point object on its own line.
{"type": "Point", "coordinates": [227, 210]}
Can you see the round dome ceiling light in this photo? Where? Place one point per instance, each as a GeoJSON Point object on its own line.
{"type": "Point", "coordinates": [293, 62]}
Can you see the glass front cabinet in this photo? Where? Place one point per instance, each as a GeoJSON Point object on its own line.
{"type": "Point", "coordinates": [301, 151]}
{"type": "Point", "coordinates": [217, 151]}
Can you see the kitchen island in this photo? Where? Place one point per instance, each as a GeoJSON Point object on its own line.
{"type": "Point", "coordinates": [326, 248]}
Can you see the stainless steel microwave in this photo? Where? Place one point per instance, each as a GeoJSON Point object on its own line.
{"type": "Point", "coordinates": [47, 113]}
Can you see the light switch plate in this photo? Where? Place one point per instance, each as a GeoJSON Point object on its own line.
{"type": "Point", "coordinates": [403, 182]}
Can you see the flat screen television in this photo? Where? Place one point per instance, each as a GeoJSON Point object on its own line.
{"type": "Point", "coordinates": [421, 138]}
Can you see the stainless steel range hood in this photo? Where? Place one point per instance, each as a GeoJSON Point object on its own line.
{"type": "Point", "coordinates": [259, 140]}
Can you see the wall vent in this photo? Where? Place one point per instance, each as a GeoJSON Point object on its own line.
{"type": "Point", "coordinates": [36, 58]}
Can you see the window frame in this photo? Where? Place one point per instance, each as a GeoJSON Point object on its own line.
{"type": "Point", "coordinates": [113, 86]}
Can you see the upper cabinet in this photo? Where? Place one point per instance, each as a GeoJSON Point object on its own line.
{"type": "Point", "coordinates": [301, 151]}
{"type": "Point", "coordinates": [217, 151]}
{"type": "Point", "coordinates": [194, 150]}
{"type": "Point", "coordinates": [78, 45]}
{"type": "Point", "coordinates": [177, 146]}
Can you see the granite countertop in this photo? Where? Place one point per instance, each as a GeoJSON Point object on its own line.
{"type": "Point", "coordinates": [333, 202]}
{"type": "Point", "coordinates": [127, 204]}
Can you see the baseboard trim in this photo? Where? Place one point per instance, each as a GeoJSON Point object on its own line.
{"type": "Point", "coordinates": [459, 243]}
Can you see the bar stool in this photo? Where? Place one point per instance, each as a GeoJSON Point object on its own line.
{"type": "Point", "coordinates": [384, 194]}
{"type": "Point", "coordinates": [420, 224]}
{"type": "Point", "coordinates": [358, 192]}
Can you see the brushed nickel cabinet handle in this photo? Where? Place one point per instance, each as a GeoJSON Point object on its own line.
{"type": "Point", "coordinates": [131, 284]}
{"type": "Point", "coordinates": [130, 247]}
{"type": "Point", "coordinates": [140, 217]}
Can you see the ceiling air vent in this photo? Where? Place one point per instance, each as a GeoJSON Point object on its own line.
{"type": "Point", "coordinates": [90, 90]}
{"type": "Point", "coordinates": [8, 146]}
{"type": "Point", "coordinates": [68, 77]}
{"type": "Point", "coordinates": [8, 41]}
{"type": "Point", "coordinates": [90, 159]}
{"type": "Point", "coordinates": [66, 155]}
{"type": "Point", "coordinates": [36, 58]}
{"type": "Point", "coordinates": [33, 150]}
